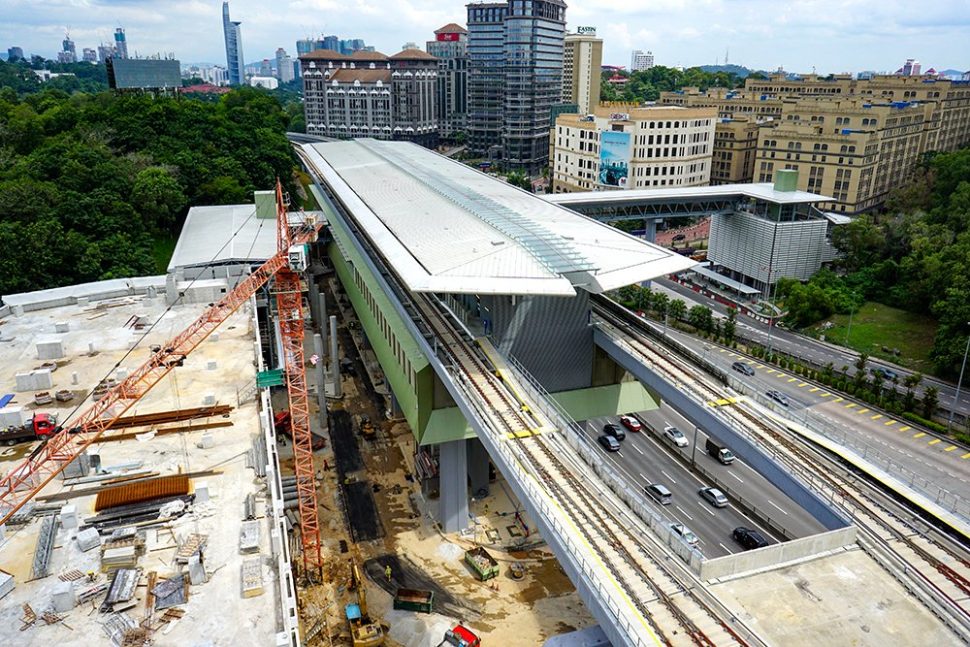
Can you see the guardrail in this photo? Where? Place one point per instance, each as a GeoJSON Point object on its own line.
{"type": "Point", "coordinates": [789, 551]}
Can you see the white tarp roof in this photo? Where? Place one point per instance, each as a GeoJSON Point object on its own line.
{"type": "Point", "coordinates": [446, 227]}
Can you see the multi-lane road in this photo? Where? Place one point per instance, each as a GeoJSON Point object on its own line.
{"type": "Point", "coordinates": [812, 349]}
{"type": "Point", "coordinates": [644, 459]}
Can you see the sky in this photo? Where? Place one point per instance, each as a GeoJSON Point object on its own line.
{"type": "Point", "coordinates": [828, 36]}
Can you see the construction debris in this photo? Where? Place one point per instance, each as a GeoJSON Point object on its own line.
{"type": "Point", "coordinates": [63, 597]}
{"type": "Point", "coordinates": [193, 544]}
{"type": "Point", "coordinates": [171, 592]}
{"type": "Point", "coordinates": [258, 456]}
{"type": "Point", "coordinates": [42, 398]}
{"type": "Point", "coordinates": [249, 537]}
{"type": "Point", "coordinates": [45, 546]}
{"type": "Point", "coordinates": [122, 588]}
{"type": "Point", "coordinates": [64, 395]}
{"type": "Point", "coordinates": [88, 538]}
{"type": "Point", "coordinates": [71, 575]}
{"type": "Point", "coordinates": [6, 583]}
{"type": "Point", "coordinates": [141, 491]}
{"type": "Point", "coordinates": [252, 577]}
{"type": "Point", "coordinates": [115, 558]}
{"type": "Point", "coordinates": [117, 625]}
{"type": "Point", "coordinates": [29, 617]}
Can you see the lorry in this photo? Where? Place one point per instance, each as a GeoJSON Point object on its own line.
{"type": "Point", "coordinates": [414, 600]}
{"type": "Point", "coordinates": [460, 636]}
{"type": "Point", "coordinates": [40, 426]}
{"type": "Point", "coordinates": [724, 455]}
{"type": "Point", "coordinates": [482, 563]}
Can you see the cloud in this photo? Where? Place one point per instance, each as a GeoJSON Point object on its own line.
{"type": "Point", "coordinates": [832, 35]}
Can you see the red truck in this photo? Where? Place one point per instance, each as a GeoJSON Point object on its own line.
{"type": "Point", "coordinates": [40, 426]}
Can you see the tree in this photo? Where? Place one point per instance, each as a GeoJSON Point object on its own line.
{"type": "Point", "coordinates": [930, 401]}
{"type": "Point", "coordinates": [911, 381]}
{"type": "Point", "coordinates": [659, 301]}
{"type": "Point", "coordinates": [861, 369]}
{"type": "Point", "coordinates": [677, 309]}
{"type": "Point", "coordinates": [519, 179]}
{"type": "Point", "coordinates": [730, 325]}
{"type": "Point", "coordinates": [700, 317]}
{"type": "Point", "coordinates": [158, 196]}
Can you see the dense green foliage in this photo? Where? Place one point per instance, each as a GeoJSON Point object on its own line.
{"type": "Point", "coordinates": [21, 78]}
{"type": "Point", "coordinates": [914, 256]}
{"type": "Point", "coordinates": [88, 182]}
{"type": "Point", "coordinates": [646, 85]}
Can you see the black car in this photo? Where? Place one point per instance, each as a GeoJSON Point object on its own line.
{"type": "Point", "coordinates": [748, 538]}
{"type": "Point", "coordinates": [884, 373]}
{"type": "Point", "coordinates": [741, 367]}
{"type": "Point", "coordinates": [609, 443]}
{"type": "Point", "coordinates": [780, 398]}
{"type": "Point", "coordinates": [616, 431]}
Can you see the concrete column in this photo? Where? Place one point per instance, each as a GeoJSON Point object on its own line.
{"type": "Point", "coordinates": [335, 357]}
{"type": "Point", "coordinates": [649, 235]}
{"type": "Point", "coordinates": [319, 375]}
{"type": "Point", "coordinates": [322, 308]}
{"type": "Point", "coordinates": [477, 467]}
{"type": "Point", "coordinates": [314, 300]}
{"type": "Point", "coordinates": [453, 486]}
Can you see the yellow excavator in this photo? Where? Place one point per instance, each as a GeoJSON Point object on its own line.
{"type": "Point", "coordinates": [363, 630]}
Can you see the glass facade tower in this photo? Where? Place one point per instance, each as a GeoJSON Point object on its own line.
{"type": "Point", "coordinates": [234, 52]}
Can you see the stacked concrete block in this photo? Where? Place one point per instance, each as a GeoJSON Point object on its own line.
{"type": "Point", "coordinates": [6, 583]}
{"type": "Point", "coordinates": [64, 598]}
{"type": "Point", "coordinates": [34, 380]}
{"type": "Point", "coordinates": [69, 516]}
{"type": "Point", "coordinates": [61, 327]}
{"type": "Point", "coordinates": [12, 417]}
{"type": "Point", "coordinates": [88, 539]}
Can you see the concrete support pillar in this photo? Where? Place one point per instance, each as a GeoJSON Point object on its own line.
{"type": "Point", "coordinates": [278, 339]}
{"type": "Point", "coordinates": [650, 227]}
{"type": "Point", "coordinates": [335, 358]}
{"type": "Point", "coordinates": [453, 486]}
{"type": "Point", "coordinates": [477, 467]}
{"type": "Point", "coordinates": [314, 300]}
{"type": "Point", "coordinates": [319, 375]}
{"type": "Point", "coordinates": [322, 308]}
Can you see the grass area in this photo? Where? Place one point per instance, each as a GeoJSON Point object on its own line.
{"type": "Point", "coordinates": [162, 249]}
{"type": "Point", "coordinates": [876, 326]}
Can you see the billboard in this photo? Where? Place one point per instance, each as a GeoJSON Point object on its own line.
{"type": "Point", "coordinates": [586, 31]}
{"type": "Point", "coordinates": [615, 152]}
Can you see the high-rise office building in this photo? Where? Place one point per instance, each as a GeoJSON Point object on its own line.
{"type": "Point", "coordinates": [582, 64]}
{"type": "Point", "coordinates": [121, 44]}
{"type": "Point", "coordinates": [68, 53]}
{"type": "Point", "coordinates": [15, 54]}
{"type": "Point", "coordinates": [330, 42]}
{"type": "Point", "coordinates": [89, 55]}
{"type": "Point", "coordinates": [910, 68]}
{"type": "Point", "coordinates": [105, 52]}
{"type": "Point", "coordinates": [515, 52]}
{"type": "Point", "coordinates": [368, 94]}
{"type": "Point", "coordinates": [266, 67]}
{"type": "Point", "coordinates": [284, 66]}
{"type": "Point", "coordinates": [234, 50]}
{"type": "Point", "coordinates": [450, 47]}
{"type": "Point", "coordinates": [641, 60]}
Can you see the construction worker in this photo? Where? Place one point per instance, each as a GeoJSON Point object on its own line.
{"type": "Point", "coordinates": [387, 572]}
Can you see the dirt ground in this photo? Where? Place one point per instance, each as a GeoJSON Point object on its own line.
{"type": "Point", "coordinates": [502, 611]}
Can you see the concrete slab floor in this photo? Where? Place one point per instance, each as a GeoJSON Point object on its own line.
{"type": "Point", "coordinates": [216, 612]}
{"type": "Point", "coordinates": [844, 599]}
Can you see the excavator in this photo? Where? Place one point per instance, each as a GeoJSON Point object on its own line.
{"type": "Point", "coordinates": [364, 631]}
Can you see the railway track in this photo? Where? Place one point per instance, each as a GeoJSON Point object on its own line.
{"type": "Point", "coordinates": [670, 608]}
{"type": "Point", "coordinates": [944, 573]}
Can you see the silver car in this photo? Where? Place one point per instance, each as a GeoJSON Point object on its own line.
{"type": "Point", "coordinates": [684, 533]}
{"type": "Point", "coordinates": [676, 435]}
{"type": "Point", "coordinates": [713, 496]}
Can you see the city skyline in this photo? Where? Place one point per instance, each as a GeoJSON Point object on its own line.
{"type": "Point", "coordinates": [866, 35]}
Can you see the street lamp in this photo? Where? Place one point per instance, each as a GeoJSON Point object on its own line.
{"type": "Point", "coordinates": [693, 449]}
{"type": "Point", "coordinates": [956, 396]}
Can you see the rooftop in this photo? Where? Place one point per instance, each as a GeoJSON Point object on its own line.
{"type": "Point", "coordinates": [451, 28]}
{"type": "Point", "coordinates": [223, 234]}
{"type": "Point", "coordinates": [413, 54]}
{"type": "Point", "coordinates": [448, 228]}
{"type": "Point", "coordinates": [760, 191]}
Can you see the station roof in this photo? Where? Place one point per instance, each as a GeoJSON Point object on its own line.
{"type": "Point", "coordinates": [761, 191]}
{"type": "Point", "coordinates": [446, 227]}
{"type": "Point", "coordinates": [725, 280]}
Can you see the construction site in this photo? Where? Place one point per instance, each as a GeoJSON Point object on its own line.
{"type": "Point", "coordinates": [155, 492]}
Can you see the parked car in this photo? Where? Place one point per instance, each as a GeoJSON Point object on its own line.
{"type": "Point", "coordinates": [713, 496]}
{"type": "Point", "coordinates": [743, 368]}
{"type": "Point", "coordinates": [614, 430]}
{"type": "Point", "coordinates": [748, 538]}
{"type": "Point", "coordinates": [684, 533]}
{"type": "Point", "coordinates": [778, 397]}
{"type": "Point", "coordinates": [659, 493]}
{"type": "Point", "coordinates": [676, 435]}
{"type": "Point", "coordinates": [609, 443]}
{"type": "Point", "coordinates": [631, 423]}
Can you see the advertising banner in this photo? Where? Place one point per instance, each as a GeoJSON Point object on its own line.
{"type": "Point", "coordinates": [615, 153]}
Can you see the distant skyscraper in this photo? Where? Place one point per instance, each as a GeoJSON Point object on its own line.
{"type": "Point", "coordinates": [14, 54]}
{"type": "Point", "coordinates": [68, 53]}
{"type": "Point", "coordinates": [121, 45]}
{"type": "Point", "coordinates": [284, 66]}
{"type": "Point", "coordinates": [910, 68]}
{"type": "Point", "coordinates": [450, 47]}
{"type": "Point", "coordinates": [90, 55]}
{"type": "Point", "coordinates": [266, 68]}
{"type": "Point", "coordinates": [515, 53]}
{"type": "Point", "coordinates": [307, 45]}
{"type": "Point", "coordinates": [581, 68]}
{"type": "Point", "coordinates": [234, 50]}
{"type": "Point", "coordinates": [331, 43]}
{"type": "Point", "coordinates": [641, 60]}
{"type": "Point", "coordinates": [105, 52]}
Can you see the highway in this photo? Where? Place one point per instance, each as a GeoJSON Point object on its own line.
{"type": "Point", "coordinates": [802, 346]}
{"type": "Point", "coordinates": [644, 459]}
{"type": "Point", "coordinates": [924, 459]}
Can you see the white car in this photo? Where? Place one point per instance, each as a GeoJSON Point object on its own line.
{"type": "Point", "coordinates": [676, 435]}
{"type": "Point", "coordinates": [684, 533]}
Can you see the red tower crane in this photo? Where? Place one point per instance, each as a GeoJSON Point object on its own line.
{"type": "Point", "coordinates": [30, 476]}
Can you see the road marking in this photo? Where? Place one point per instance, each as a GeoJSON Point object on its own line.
{"type": "Point", "coordinates": [950, 448]}
{"type": "Point", "coordinates": [838, 399]}
{"type": "Point", "coordinates": [725, 548]}
{"type": "Point", "coordinates": [862, 411]}
{"type": "Point", "coordinates": [770, 371]}
{"type": "Point", "coordinates": [736, 476]}
{"type": "Point", "coordinates": [935, 441]}
{"type": "Point", "coordinates": [619, 454]}
{"type": "Point", "coordinates": [773, 503]}
{"type": "Point", "coordinates": [669, 477]}
{"type": "Point", "coordinates": [890, 423]}
{"type": "Point", "coordinates": [813, 389]}
{"type": "Point", "coordinates": [645, 478]}
{"type": "Point", "coordinates": [709, 511]}
{"type": "Point", "coordinates": [792, 379]}
{"type": "Point", "coordinates": [906, 428]}
{"type": "Point", "coordinates": [801, 384]}
{"type": "Point", "coordinates": [684, 512]}
{"type": "Point", "coordinates": [722, 350]}
{"type": "Point", "coordinates": [638, 449]}
{"type": "Point", "coordinates": [759, 365]}
{"type": "Point", "coordinates": [920, 434]}
{"type": "Point", "coordinates": [825, 394]}
{"type": "Point", "coordinates": [851, 405]}
{"type": "Point", "coordinates": [966, 456]}
{"type": "Point", "coordinates": [781, 375]}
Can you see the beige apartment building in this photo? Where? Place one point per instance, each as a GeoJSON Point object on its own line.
{"type": "Point", "coordinates": [851, 139]}
{"type": "Point", "coordinates": [735, 148]}
{"type": "Point", "coordinates": [638, 148]}
{"type": "Point", "coordinates": [582, 62]}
